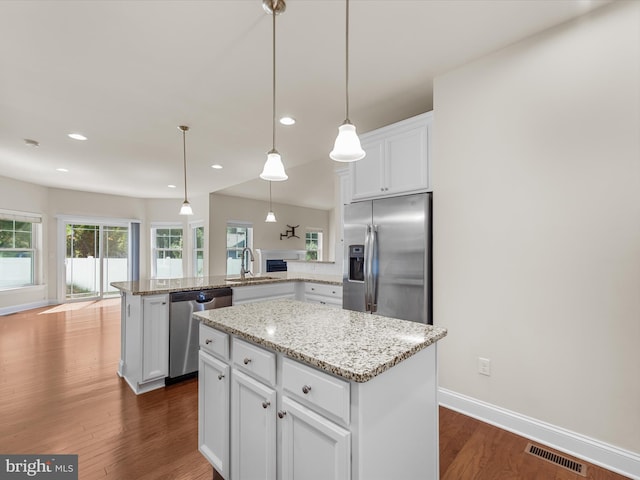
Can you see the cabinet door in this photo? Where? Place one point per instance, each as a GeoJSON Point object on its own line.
{"type": "Point", "coordinates": [155, 337]}
{"type": "Point", "coordinates": [406, 160]}
{"type": "Point", "coordinates": [367, 174]}
{"type": "Point", "coordinates": [213, 412]}
{"type": "Point", "coordinates": [253, 429]}
{"type": "Point", "coordinates": [313, 448]}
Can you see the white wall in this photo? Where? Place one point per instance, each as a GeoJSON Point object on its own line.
{"type": "Point", "coordinates": [224, 208]}
{"type": "Point", "coordinates": [536, 170]}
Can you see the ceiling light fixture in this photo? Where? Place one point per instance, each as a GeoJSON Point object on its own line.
{"type": "Point", "coordinates": [63, 170]}
{"type": "Point", "coordinates": [216, 166]}
{"type": "Point", "coordinates": [273, 168]}
{"type": "Point", "coordinates": [271, 217]}
{"type": "Point", "coordinates": [77, 136]}
{"type": "Point", "coordinates": [288, 121]}
{"type": "Point", "coordinates": [31, 143]}
{"type": "Point", "coordinates": [186, 206]}
{"type": "Point", "coordinates": [347, 147]}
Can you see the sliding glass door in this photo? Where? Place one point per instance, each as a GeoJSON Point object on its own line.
{"type": "Point", "coordinates": [96, 255]}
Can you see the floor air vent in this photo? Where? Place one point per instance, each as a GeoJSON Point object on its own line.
{"type": "Point", "coordinates": [549, 456]}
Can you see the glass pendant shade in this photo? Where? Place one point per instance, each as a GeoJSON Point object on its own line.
{"type": "Point", "coordinates": [271, 218]}
{"type": "Point", "coordinates": [273, 168]}
{"type": "Point", "coordinates": [347, 147]}
{"type": "Point", "coordinates": [186, 209]}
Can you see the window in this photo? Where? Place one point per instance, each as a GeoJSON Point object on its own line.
{"type": "Point", "coordinates": [166, 245]}
{"type": "Point", "coordinates": [239, 236]}
{"type": "Point", "coordinates": [197, 233]}
{"type": "Point", "coordinates": [17, 250]}
{"type": "Point", "coordinates": [313, 242]}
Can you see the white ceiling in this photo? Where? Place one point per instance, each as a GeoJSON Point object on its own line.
{"type": "Point", "coordinates": [127, 73]}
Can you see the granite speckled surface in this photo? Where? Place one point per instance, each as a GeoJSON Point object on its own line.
{"type": "Point", "coordinates": [356, 346]}
{"type": "Point", "coordinates": [169, 285]}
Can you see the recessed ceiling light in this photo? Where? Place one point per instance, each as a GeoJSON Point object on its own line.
{"type": "Point", "coordinates": [64, 170]}
{"type": "Point", "coordinates": [216, 166]}
{"type": "Point", "coordinates": [171, 186]}
{"type": "Point", "coordinates": [77, 136]}
{"type": "Point", "coordinates": [287, 120]}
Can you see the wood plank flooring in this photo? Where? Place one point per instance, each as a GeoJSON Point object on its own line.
{"type": "Point", "coordinates": [59, 393]}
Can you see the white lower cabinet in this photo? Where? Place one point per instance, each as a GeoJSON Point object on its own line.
{"type": "Point", "coordinates": [313, 448]}
{"type": "Point", "coordinates": [213, 412]}
{"type": "Point", "coordinates": [155, 337]}
{"type": "Point", "coordinates": [253, 429]}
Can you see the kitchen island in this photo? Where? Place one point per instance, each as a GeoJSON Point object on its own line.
{"type": "Point", "coordinates": [293, 390]}
{"type": "Point", "coordinates": [145, 314]}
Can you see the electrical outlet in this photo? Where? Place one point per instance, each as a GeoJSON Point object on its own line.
{"type": "Point", "coordinates": [484, 366]}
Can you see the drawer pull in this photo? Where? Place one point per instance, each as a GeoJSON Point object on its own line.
{"type": "Point", "coordinates": [281, 413]}
{"type": "Point", "coordinates": [220, 376]}
{"type": "Point", "coordinates": [208, 341]}
{"type": "Point", "coordinates": [306, 389]}
{"type": "Point", "coordinates": [265, 404]}
{"type": "Point", "coordinates": [247, 360]}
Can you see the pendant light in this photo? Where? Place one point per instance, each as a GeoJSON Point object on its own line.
{"type": "Point", "coordinates": [186, 206]}
{"type": "Point", "coordinates": [271, 217]}
{"type": "Point", "coordinates": [273, 167]}
{"type": "Point", "coordinates": [347, 146]}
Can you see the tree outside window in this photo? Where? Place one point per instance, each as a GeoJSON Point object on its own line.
{"type": "Point", "coordinates": [198, 251]}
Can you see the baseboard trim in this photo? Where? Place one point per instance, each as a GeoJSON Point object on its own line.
{"type": "Point", "coordinates": [25, 306]}
{"type": "Point", "coordinates": [593, 451]}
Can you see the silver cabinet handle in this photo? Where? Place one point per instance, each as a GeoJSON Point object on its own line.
{"type": "Point", "coordinates": [281, 413]}
{"type": "Point", "coordinates": [208, 341]}
{"type": "Point", "coordinates": [306, 389]}
{"type": "Point", "coordinates": [265, 404]}
{"type": "Point", "coordinates": [247, 360]}
{"type": "Point", "coordinates": [221, 376]}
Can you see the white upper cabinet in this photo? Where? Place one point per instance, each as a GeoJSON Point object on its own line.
{"type": "Point", "coordinates": [397, 161]}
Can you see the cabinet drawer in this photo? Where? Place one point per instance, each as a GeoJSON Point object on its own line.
{"type": "Point", "coordinates": [214, 341]}
{"type": "Point", "coordinates": [316, 389]}
{"type": "Point", "coordinates": [334, 291]}
{"type": "Point", "coordinates": [255, 360]}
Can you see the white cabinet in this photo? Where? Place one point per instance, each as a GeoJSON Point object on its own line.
{"type": "Point", "coordinates": [397, 160]}
{"type": "Point", "coordinates": [155, 337]}
{"type": "Point", "coordinates": [323, 293]}
{"type": "Point", "coordinates": [213, 411]}
{"type": "Point", "coordinates": [144, 352]}
{"type": "Point", "coordinates": [253, 429]}
{"type": "Point", "coordinates": [313, 448]}
{"type": "Point", "coordinates": [259, 293]}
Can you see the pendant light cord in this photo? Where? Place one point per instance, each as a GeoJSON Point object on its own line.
{"type": "Point", "coordinates": [270, 207]}
{"type": "Point", "coordinates": [184, 156]}
{"type": "Point", "coordinates": [273, 8]}
{"type": "Point", "coordinates": [347, 63]}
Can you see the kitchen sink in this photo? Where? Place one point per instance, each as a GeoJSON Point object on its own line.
{"type": "Point", "coordinates": [251, 279]}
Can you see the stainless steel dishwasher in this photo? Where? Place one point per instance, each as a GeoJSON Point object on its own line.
{"type": "Point", "coordinates": [183, 328]}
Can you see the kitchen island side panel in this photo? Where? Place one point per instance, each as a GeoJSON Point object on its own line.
{"type": "Point", "coordinates": [395, 416]}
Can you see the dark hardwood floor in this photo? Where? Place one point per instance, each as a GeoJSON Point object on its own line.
{"type": "Point", "coordinates": [59, 393]}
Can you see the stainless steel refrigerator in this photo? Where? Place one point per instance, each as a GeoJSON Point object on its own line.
{"type": "Point", "coordinates": [388, 257]}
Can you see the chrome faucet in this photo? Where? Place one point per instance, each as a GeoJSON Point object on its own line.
{"type": "Point", "coordinates": [244, 266]}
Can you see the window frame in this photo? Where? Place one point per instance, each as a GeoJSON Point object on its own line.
{"type": "Point", "coordinates": [154, 248]}
{"type": "Point", "coordinates": [319, 242]}
{"type": "Point", "coordinates": [195, 249]}
{"type": "Point", "coordinates": [34, 250]}
{"type": "Point", "coordinates": [248, 243]}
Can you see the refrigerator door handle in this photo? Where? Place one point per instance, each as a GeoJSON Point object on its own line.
{"type": "Point", "coordinates": [367, 270]}
{"type": "Point", "coordinates": [373, 269]}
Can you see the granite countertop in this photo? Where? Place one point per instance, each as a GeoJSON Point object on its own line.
{"type": "Point", "coordinates": [169, 285]}
{"type": "Point", "coordinates": [356, 346]}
